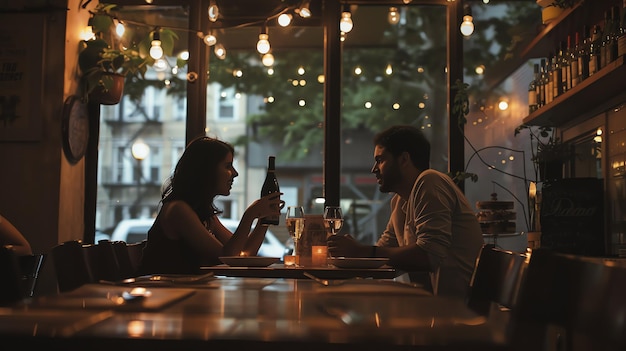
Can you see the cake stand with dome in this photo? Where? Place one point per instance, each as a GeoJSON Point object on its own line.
{"type": "Point", "coordinates": [496, 218]}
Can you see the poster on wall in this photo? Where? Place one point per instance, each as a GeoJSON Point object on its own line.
{"type": "Point", "coordinates": [22, 39]}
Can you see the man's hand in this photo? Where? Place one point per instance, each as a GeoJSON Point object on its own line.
{"type": "Point", "coordinates": [344, 246]}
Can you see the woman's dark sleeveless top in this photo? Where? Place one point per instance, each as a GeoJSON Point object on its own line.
{"type": "Point", "coordinates": [163, 255]}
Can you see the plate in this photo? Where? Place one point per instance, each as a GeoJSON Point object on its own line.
{"type": "Point", "coordinates": [249, 261]}
{"type": "Point", "coordinates": [358, 262]}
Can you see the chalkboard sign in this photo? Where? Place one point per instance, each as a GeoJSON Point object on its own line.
{"type": "Point", "coordinates": [572, 216]}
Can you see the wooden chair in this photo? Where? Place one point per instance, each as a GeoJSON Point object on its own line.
{"type": "Point", "coordinates": [70, 265]}
{"type": "Point", "coordinates": [569, 303]}
{"type": "Point", "coordinates": [135, 251]}
{"type": "Point", "coordinates": [497, 279]}
{"type": "Point", "coordinates": [11, 289]}
{"type": "Point", "coordinates": [30, 266]}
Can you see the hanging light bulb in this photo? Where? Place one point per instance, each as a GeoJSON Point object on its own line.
{"type": "Point", "coordinates": [120, 29]}
{"type": "Point", "coordinates": [268, 60]}
{"type": "Point", "coordinates": [467, 26]}
{"type": "Point", "coordinates": [213, 11]}
{"type": "Point", "coordinates": [304, 10]}
{"type": "Point", "coordinates": [220, 51]}
{"type": "Point", "coordinates": [210, 39]}
{"type": "Point", "coordinates": [156, 51]}
{"type": "Point", "coordinates": [345, 24]}
{"type": "Point", "coordinates": [263, 45]}
{"type": "Point", "coordinates": [393, 16]}
{"type": "Point", "coordinates": [284, 19]}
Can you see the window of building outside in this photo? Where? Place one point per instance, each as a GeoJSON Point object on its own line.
{"type": "Point", "coordinates": [394, 72]}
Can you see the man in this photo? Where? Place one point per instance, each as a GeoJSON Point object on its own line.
{"type": "Point", "coordinates": [432, 227]}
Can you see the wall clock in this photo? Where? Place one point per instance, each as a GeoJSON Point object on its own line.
{"type": "Point", "coordinates": [75, 128]}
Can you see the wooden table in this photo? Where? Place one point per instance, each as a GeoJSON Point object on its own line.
{"type": "Point", "coordinates": [257, 313]}
{"type": "Point", "coordinates": [279, 270]}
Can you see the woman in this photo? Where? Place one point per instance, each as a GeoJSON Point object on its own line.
{"type": "Point", "coordinates": [187, 232]}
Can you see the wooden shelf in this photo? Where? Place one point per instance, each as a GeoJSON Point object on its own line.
{"type": "Point", "coordinates": [547, 39]}
{"type": "Point", "coordinates": [594, 91]}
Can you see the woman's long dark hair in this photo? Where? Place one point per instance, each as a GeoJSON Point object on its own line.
{"type": "Point", "coordinates": [193, 180]}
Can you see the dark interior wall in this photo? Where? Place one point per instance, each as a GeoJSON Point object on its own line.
{"type": "Point", "coordinates": [42, 193]}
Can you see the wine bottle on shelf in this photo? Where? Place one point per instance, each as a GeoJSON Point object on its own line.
{"type": "Point", "coordinates": [557, 81]}
{"type": "Point", "coordinates": [550, 81]}
{"type": "Point", "coordinates": [532, 90]}
{"type": "Point", "coordinates": [270, 185]}
{"type": "Point", "coordinates": [566, 74]}
{"type": "Point", "coordinates": [573, 61]}
{"type": "Point", "coordinates": [621, 37]}
{"type": "Point", "coordinates": [541, 85]}
{"type": "Point", "coordinates": [583, 55]}
{"type": "Point", "coordinates": [605, 41]}
{"type": "Point", "coordinates": [545, 83]}
{"type": "Point", "coordinates": [595, 50]}
{"type": "Point", "coordinates": [611, 50]}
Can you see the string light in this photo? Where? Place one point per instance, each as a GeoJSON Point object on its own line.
{"type": "Point", "coordinates": [304, 11]}
{"type": "Point", "coordinates": [156, 51]}
{"type": "Point", "coordinates": [268, 60]}
{"type": "Point", "coordinates": [210, 39]}
{"type": "Point", "coordinates": [284, 20]}
{"type": "Point", "coordinates": [213, 11]}
{"type": "Point", "coordinates": [220, 51]}
{"type": "Point", "coordinates": [120, 29]}
{"type": "Point", "coordinates": [263, 45]}
{"type": "Point", "coordinates": [393, 16]}
{"type": "Point", "coordinates": [467, 26]}
{"type": "Point", "coordinates": [345, 24]}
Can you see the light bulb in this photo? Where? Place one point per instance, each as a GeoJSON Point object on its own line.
{"type": "Point", "coordinates": [268, 60]}
{"type": "Point", "coordinates": [213, 12]}
{"type": "Point", "coordinates": [210, 39]}
{"type": "Point", "coordinates": [263, 45]}
{"type": "Point", "coordinates": [467, 27]}
{"type": "Point", "coordinates": [140, 150]}
{"type": "Point", "coordinates": [120, 29]}
{"type": "Point", "coordinates": [393, 17]}
{"type": "Point", "coordinates": [304, 10]}
{"type": "Point", "coordinates": [285, 19]}
{"type": "Point", "coordinates": [220, 51]}
{"type": "Point", "coordinates": [156, 51]}
{"type": "Point", "coordinates": [503, 105]}
{"type": "Point", "coordinates": [345, 24]}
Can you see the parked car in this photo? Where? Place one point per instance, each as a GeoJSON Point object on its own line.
{"type": "Point", "coordinates": [136, 229]}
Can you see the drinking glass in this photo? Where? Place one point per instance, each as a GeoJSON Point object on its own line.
{"type": "Point", "coordinates": [294, 220]}
{"type": "Point", "coordinates": [333, 219]}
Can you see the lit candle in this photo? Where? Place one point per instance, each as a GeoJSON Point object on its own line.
{"type": "Point", "coordinates": [290, 260]}
{"type": "Point", "coordinates": [318, 255]}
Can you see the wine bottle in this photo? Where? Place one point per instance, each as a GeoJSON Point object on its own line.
{"type": "Point", "coordinates": [270, 185]}
{"type": "Point", "coordinates": [532, 90]}
{"type": "Point", "coordinates": [621, 38]}
{"type": "Point", "coordinates": [583, 55]}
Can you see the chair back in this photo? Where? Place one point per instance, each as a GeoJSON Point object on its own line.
{"type": "Point", "coordinates": [570, 302]}
{"type": "Point", "coordinates": [30, 266]}
{"type": "Point", "coordinates": [77, 263]}
{"type": "Point", "coordinates": [497, 278]}
{"type": "Point", "coordinates": [135, 252]}
{"type": "Point", "coordinates": [70, 265]}
{"type": "Point", "coordinates": [10, 291]}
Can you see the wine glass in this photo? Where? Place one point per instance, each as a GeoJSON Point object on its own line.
{"type": "Point", "coordinates": [333, 219]}
{"type": "Point", "coordinates": [294, 220]}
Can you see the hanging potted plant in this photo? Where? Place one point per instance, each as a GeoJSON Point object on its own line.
{"type": "Point", "coordinates": [106, 61]}
{"type": "Point", "coordinates": [551, 9]}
